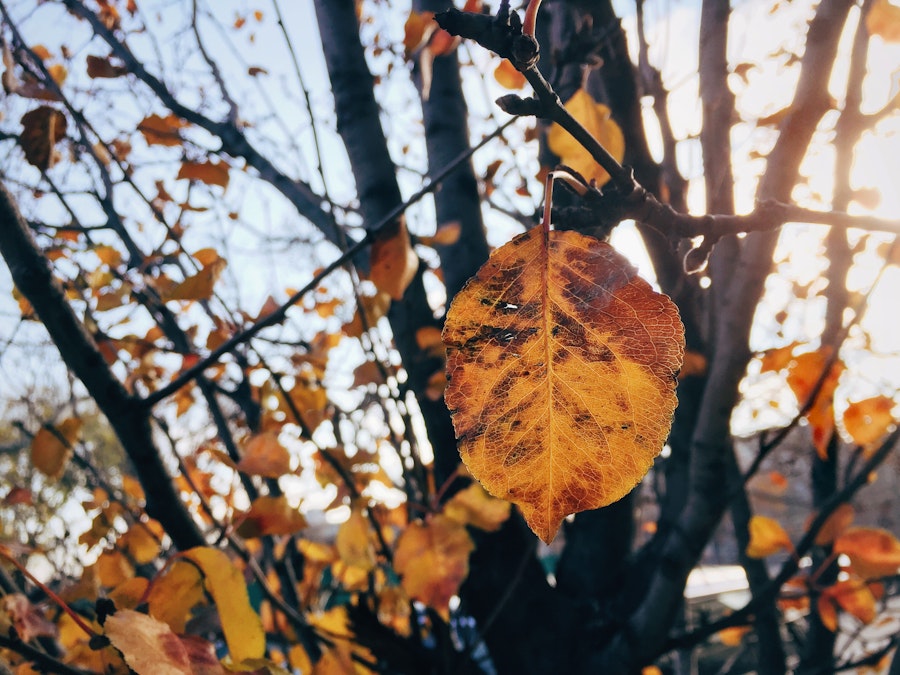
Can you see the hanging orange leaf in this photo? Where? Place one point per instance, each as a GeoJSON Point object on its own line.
{"type": "Point", "coordinates": [839, 520]}
{"type": "Point", "coordinates": [473, 506]}
{"type": "Point", "coordinates": [562, 365]}
{"type": "Point", "coordinates": [803, 375]}
{"type": "Point", "coordinates": [883, 20]}
{"type": "Point", "coordinates": [148, 645]}
{"type": "Point", "coordinates": [200, 285]}
{"type": "Point", "coordinates": [873, 552]}
{"type": "Point", "coordinates": [240, 623]}
{"type": "Point", "coordinates": [270, 515]}
{"type": "Point", "coordinates": [264, 455]}
{"type": "Point", "coordinates": [158, 130]}
{"type": "Point", "coordinates": [867, 421]}
{"type": "Point", "coordinates": [595, 117]}
{"type": "Point", "coordinates": [433, 560]}
{"type": "Point", "coordinates": [394, 262]}
{"type": "Point", "coordinates": [42, 128]}
{"type": "Point", "coordinates": [766, 537]}
{"type": "Point", "coordinates": [209, 172]}
{"type": "Point", "coordinates": [417, 30]}
{"type": "Point", "coordinates": [508, 76]}
{"type": "Point", "coordinates": [52, 448]}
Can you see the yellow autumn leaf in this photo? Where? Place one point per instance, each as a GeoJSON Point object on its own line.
{"type": "Point", "coordinates": [52, 448]}
{"type": "Point", "coordinates": [595, 117]}
{"type": "Point", "coordinates": [561, 364]}
{"type": "Point", "coordinates": [175, 593]}
{"type": "Point", "coordinates": [766, 537]}
{"type": "Point", "coordinates": [240, 623]}
{"type": "Point", "coordinates": [353, 543]}
{"type": "Point", "coordinates": [508, 76]}
{"type": "Point", "coordinates": [433, 560]}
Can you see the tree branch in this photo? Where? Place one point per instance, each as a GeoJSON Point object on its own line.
{"type": "Point", "coordinates": [33, 277]}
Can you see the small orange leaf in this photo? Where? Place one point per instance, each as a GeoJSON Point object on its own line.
{"type": "Point", "coordinates": [394, 262]}
{"type": "Point", "coordinates": [42, 129]}
{"type": "Point", "coordinates": [159, 130]}
{"type": "Point", "coordinates": [508, 76]}
{"type": "Point", "coordinates": [867, 421]}
{"type": "Point", "coordinates": [148, 645]}
{"type": "Point", "coordinates": [446, 235]}
{"type": "Point", "coordinates": [561, 364]}
{"type": "Point", "coordinates": [270, 515]}
{"type": "Point", "coordinates": [850, 595]}
{"type": "Point", "coordinates": [766, 537]}
{"type": "Point", "coordinates": [595, 117]}
{"type": "Point", "coordinates": [873, 552]}
{"type": "Point", "coordinates": [209, 172]}
{"type": "Point", "coordinates": [199, 286]}
{"type": "Point", "coordinates": [839, 520]}
{"type": "Point", "coordinates": [473, 506]}
{"type": "Point", "coordinates": [433, 560]}
{"type": "Point", "coordinates": [883, 20]}
{"type": "Point", "coordinates": [264, 455]}
{"type": "Point", "coordinates": [51, 449]}
{"type": "Point", "coordinates": [240, 623]}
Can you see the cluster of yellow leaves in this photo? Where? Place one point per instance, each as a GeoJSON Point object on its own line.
{"type": "Point", "coordinates": [565, 320]}
{"type": "Point", "coordinates": [595, 117]}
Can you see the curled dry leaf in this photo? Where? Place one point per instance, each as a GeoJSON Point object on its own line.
{"type": "Point", "coordinates": [595, 117]}
{"type": "Point", "coordinates": [148, 645]}
{"type": "Point", "coordinates": [42, 129]}
{"type": "Point", "coordinates": [766, 537]}
{"type": "Point", "coordinates": [101, 67]}
{"type": "Point", "coordinates": [561, 363]}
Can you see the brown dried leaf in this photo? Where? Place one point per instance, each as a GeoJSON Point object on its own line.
{"type": "Point", "coordinates": [209, 172]}
{"type": "Point", "coordinates": [101, 67]}
{"type": "Point", "coordinates": [158, 130]}
{"type": "Point", "coordinates": [394, 262]}
{"type": "Point", "coordinates": [148, 645]}
{"type": "Point", "coordinates": [42, 128]}
{"type": "Point", "coordinates": [264, 455]}
{"type": "Point", "coordinates": [199, 286]}
{"type": "Point", "coordinates": [562, 365]}
{"type": "Point", "coordinates": [51, 449]}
